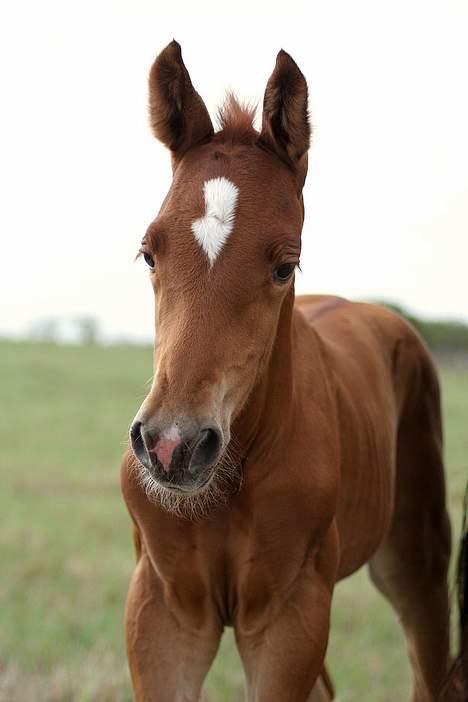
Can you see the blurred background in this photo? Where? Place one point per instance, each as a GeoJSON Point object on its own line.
{"type": "Point", "coordinates": [81, 178]}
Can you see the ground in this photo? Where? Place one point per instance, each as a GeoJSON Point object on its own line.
{"type": "Point", "coordinates": [65, 547]}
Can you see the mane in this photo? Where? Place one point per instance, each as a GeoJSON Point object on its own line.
{"type": "Point", "coordinates": [236, 120]}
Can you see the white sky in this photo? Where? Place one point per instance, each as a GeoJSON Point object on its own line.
{"type": "Point", "coordinates": [81, 176]}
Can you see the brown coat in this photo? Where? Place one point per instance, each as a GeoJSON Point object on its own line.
{"type": "Point", "coordinates": [330, 408]}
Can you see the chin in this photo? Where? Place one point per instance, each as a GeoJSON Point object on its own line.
{"type": "Point", "coordinates": [195, 501]}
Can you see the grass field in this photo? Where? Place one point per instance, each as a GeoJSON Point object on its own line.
{"type": "Point", "coordinates": [65, 547]}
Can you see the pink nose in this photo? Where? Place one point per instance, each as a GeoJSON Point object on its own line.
{"type": "Point", "coordinates": [164, 450]}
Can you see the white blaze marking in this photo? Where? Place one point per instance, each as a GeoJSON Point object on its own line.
{"type": "Point", "coordinates": [212, 230]}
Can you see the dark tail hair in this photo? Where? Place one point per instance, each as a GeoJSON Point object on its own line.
{"type": "Point", "coordinates": [456, 682]}
{"type": "Point", "coordinates": [462, 583]}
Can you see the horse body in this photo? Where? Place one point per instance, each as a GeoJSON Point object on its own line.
{"type": "Point", "coordinates": [246, 565]}
{"type": "Point", "coordinates": [336, 426]}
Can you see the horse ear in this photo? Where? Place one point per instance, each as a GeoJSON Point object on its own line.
{"type": "Point", "coordinates": [178, 115]}
{"type": "Point", "coordinates": [285, 122]}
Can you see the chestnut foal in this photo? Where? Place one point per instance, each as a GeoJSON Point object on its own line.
{"type": "Point", "coordinates": [284, 442]}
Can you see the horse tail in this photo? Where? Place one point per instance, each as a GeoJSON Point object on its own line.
{"type": "Point", "coordinates": [462, 588]}
{"type": "Point", "coordinates": [456, 683]}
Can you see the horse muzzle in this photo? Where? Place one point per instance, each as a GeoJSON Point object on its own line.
{"type": "Point", "coordinates": [178, 459]}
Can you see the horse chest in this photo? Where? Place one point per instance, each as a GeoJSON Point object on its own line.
{"type": "Point", "coordinates": [237, 575]}
{"type": "Point", "coordinates": [261, 582]}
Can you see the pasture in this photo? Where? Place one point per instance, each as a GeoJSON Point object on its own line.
{"type": "Point", "coordinates": [65, 542]}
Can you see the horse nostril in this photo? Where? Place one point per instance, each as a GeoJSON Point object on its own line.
{"type": "Point", "coordinates": [135, 433]}
{"type": "Point", "coordinates": [135, 430]}
{"type": "Point", "coordinates": [139, 445]}
{"type": "Point", "coordinates": [206, 449]}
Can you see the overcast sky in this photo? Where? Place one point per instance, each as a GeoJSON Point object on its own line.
{"type": "Point", "coordinates": [81, 176]}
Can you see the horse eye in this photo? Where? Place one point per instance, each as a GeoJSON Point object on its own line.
{"type": "Point", "coordinates": [149, 259]}
{"type": "Point", "coordinates": [283, 272]}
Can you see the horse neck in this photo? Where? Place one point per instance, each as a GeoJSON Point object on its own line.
{"type": "Point", "coordinates": [272, 398]}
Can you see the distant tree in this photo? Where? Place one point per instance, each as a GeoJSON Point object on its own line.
{"type": "Point", "coordinates": [439, 334]}
{"type": "Point", "coordinates": [45, 330]}
{"type": "Point", "coordinates": [88, 330]}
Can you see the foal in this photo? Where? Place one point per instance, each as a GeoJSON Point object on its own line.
{"type": "Point", "coordinates": [284, 443]}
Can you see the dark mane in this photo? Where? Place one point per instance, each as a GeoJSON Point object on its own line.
{"type": "Point", "coordinates": [236, 120]}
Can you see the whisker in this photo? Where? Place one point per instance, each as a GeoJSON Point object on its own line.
{"type": "Point", "coordinates": [226, 481]}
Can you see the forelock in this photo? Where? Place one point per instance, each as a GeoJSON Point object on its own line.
{"type": "Point", "coordinates": [236, 121]}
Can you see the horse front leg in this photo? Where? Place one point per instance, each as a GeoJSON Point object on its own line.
{"type": "Point", "coordinates": [168, 661]}
{"type": "Point", "coordinates": [284, 661]}
{"type": "Point", "coordinates": [323, 690]}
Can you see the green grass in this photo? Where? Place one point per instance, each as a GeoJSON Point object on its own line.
{"type": "Point", "coordinates": [65, 548]}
